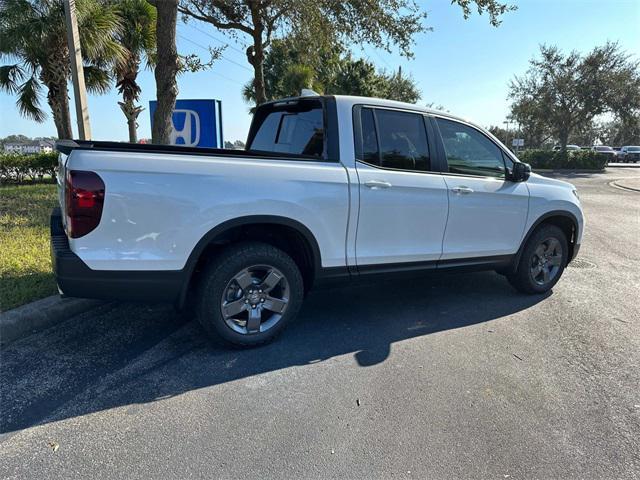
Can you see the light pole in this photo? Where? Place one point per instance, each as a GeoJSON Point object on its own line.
{"type": "Point", "coordinates": [77, 71]}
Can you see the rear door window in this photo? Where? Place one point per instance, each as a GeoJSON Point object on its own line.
{"type": "Point", "coordinates": [394, 139]}
{"type": "Point", "coordinates": [296, 128]}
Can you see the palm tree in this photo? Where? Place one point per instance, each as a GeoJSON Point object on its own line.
{"type": "Point", "coordinates": [33, 38]}
{"type": "Point", "coordinates": [138, 39]}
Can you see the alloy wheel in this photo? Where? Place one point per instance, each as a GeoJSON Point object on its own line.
{"type": "Point", "coordinates": [546, 261]}
{"type": "Point", "coordinates": [255, 299]}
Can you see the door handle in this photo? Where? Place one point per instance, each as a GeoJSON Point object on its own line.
{"type": "Point", "coordinates": [462, 190]}
{"type": "Point", "coordinates": [375, 184]}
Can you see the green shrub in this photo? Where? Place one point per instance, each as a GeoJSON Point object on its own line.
{"type": "Point", "coordinates": [16, 168]}
{"type": "Point", "coordinates": [554, 160]}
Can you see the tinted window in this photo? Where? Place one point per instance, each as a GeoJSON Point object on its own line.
{"type": "Point", "coordinates": [297, 129]}
{"type": "Point", "coordinates": [369, 140]}
{"type": "Point", "coordinates": [469, 152]}
{"type": "Point", "coordinates": [402, 140]}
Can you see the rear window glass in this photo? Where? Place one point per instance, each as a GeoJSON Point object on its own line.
{"type": "Point", "coordinates": [296, 128]}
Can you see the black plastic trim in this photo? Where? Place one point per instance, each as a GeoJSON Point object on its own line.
{"type": "Point", "coordinates": [219, 230]}
{"type": "Point", "coordinates": [458, 264]}
{"type": "Point", "coordinates": [76, 279]}
{"type": "Point", "coordinates": [67, 146]}
{"type": "Point", "coordinates": [553, 213]}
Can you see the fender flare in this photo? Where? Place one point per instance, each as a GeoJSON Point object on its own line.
{"type": "Point", "coordinates": [542, 218]}
{"type": "Point", "coordinates": [224, 227]}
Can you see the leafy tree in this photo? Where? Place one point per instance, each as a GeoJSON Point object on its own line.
{"type": "Point", "coordinates": [619, 132]}
{"type": "Point", "coordinates": [381, 23]}
{"type": "Point", "coordinates": [33, 38]}
{"type": "Point", "coordinates": [503, 134]}
{"type": "Point", "coordinates": [138, 40]}
{"type": "Point", "coordinates": [289, 68]}
{"type": "Point", "coordinates": [563, 94]}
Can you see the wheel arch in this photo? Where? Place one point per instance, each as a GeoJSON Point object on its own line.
{"type": "Point", "coordinates": [283, 232]}
{"type": "Point", "coordinates": [562, 219]}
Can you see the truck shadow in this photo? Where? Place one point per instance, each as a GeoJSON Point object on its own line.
{"type": "Point", "coordinates": [129, 354]}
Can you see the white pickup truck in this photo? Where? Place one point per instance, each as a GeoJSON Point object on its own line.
{"type": "Point", "coordinates": [329, 188]}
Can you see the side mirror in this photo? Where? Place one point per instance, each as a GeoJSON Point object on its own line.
{"type": "Point", "coordinates": [521, 172]}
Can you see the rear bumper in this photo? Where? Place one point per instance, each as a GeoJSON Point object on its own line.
{"type": "Point", "coordinates": [76, 279]}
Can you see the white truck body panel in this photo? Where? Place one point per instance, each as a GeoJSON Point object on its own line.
{"type": "Point", "coordinates": [159, 206]}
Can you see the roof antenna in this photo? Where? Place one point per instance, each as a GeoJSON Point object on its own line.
{"type": "Point", "coordinates": [307, 92]}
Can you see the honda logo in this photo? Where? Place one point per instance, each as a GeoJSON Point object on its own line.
{"type": "Point", "coordinates": [186, 127]}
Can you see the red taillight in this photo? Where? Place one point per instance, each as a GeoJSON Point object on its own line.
{"type": "Point", "coordinates": [84, 197]}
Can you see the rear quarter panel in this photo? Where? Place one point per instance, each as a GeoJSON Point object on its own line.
{"type": "Point", "coordinates": [158, 206]}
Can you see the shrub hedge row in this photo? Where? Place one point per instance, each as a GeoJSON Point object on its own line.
{"type": "Point", "coordinates": [17, 168]}
{"type": "Point", "coordinates": [549, 159]}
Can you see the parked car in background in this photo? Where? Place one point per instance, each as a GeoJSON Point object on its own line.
{"type": "Point", "coordinates": [630, 153]}
{"type": "Point", "coordinates": [606, 150]}
{"type": "Point", "coordinates": [570, 148]}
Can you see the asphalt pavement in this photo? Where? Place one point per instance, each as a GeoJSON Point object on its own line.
{"type": "Point", "coordinates": [449, 377]}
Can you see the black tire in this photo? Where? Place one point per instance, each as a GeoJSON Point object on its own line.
{"type": "Point", "coordinates": [525, 279]}
{"type": "Point", "coordinates": [217, 281]}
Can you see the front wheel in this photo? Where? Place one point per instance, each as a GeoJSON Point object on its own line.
{"type": "Point", "coordinates": [248, 294]}
{"type": "Point", "coordinates": [542, 262]}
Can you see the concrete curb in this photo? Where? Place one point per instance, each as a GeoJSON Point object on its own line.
{"type": "Point", "coordinates": [624, 165]}
{"type": "Point", "coordinates": [39, 315]}
{"type": "Point", "coordinates": [620, 184]}
{"type": "Point", "coordinates": [566, 170]}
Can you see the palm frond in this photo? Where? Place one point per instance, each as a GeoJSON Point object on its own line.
{"type": "Point", "coordinates": [99, 25]}
{"type": "Point", "coordinates": [97, 80]}
{"type": "Point", "coordinates": [28, 101]}
{"type": "Point", "coordinates": [10, 78]}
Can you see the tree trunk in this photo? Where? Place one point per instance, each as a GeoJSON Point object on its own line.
{"type": "Point", "coordinates": [58, 99]}
{"type": "Point", "coordinates": [563, 137]}
{"type": "Point", "coordinates": [55, 78]}
{"type": "Point", "coordinates": [131, 112]}
{"type": "Point", "coordinates": [133, 129]}
{"type": "Point", "coordinates": [166, 70]}
{"type": "Point", "coordinates": [255, 55]}
{"type": "Point", "coordinates": [257, 61]}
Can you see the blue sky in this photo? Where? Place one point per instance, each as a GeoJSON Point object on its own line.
{"type": "Point", "coordinates": [463, 65]}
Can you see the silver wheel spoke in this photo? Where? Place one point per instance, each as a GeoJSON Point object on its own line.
{"type": "Point", "coordinates": [255, 299]}
{"type": "Point", "coordinates": [535, 271]}
{"type": "Point", "coordinates": [253, 322]}
{"type": "Point", "coordinates": [555, 260]}
{"type": "Point", "coordinates": [270, 281]}
{"type": "Point", "coordinates": [233, 308]}
{"type": "Point", "coordinates": [274, 304]}
{"type": "Point", "coordinates": [540, 250]}
{"type": "Point", "coordinates": [552, 245]}
{"type": "Point", "coordinates": [244, 280]}
{"type": "Point", "coordinates": [545, 274]}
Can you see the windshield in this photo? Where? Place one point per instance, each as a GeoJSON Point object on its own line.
{"type": "Point", "coordinates": [633, 149]}
{"type": "Point", "coordinates": [604, 149]}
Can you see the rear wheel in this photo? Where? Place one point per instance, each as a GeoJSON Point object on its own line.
{"type": "Point", "coordinates": [248, 294]}
{"type": "Point", "coordinates": [542, 262]}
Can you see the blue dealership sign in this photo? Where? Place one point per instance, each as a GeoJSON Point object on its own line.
{"type": "Point", "coordinates": [196, 123]}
